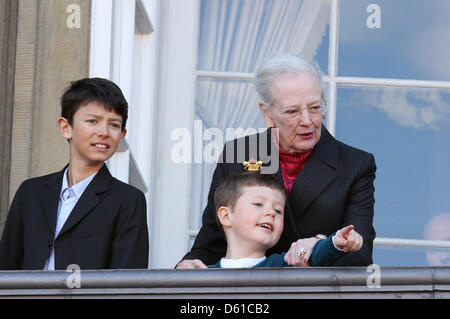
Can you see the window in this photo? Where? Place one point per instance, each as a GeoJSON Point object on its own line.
{"type": "Point", "coordinates": [389, 94]}
{"type": "Point", "coordinates": [393, 100]}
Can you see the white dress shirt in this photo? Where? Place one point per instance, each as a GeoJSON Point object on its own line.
{"type": "Point", "coordinates": [67, 200]}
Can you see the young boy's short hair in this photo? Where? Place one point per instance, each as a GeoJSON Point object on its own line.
{"type": "Point", "coordinates": [88, 90]}
{"type": "Point", "coordinates": [229, 192]}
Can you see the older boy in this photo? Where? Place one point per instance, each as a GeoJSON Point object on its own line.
{"type": "Point", "coordinates": [250, 211]}
{"type": "Point", "coordinates": [80, 215]}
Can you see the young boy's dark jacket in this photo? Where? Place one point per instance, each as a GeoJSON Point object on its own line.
{"type": "Point", "coordinates": [107, 228]}
{"type": "Point", "coordinates": [324, 254]}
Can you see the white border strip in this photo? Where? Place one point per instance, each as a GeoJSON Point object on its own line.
{"type": "Point", "coordinates": [100, 51]}
{"type": "Point", "coordinates": [332, 66]}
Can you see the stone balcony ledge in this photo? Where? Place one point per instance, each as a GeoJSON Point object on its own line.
{"type": "Point", "coordinates": [313, 282]}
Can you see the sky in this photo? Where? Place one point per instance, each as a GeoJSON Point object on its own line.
{"type": "Point", "coordinates": [408, 130]}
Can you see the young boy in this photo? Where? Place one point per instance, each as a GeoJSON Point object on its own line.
{"type": "Point", "coordinates": [250, 210]}
{"type": "Point", "coordinates": [80, 215]}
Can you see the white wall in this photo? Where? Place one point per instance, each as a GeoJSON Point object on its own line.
{"type": "Point", "coordinates": [175, 97]}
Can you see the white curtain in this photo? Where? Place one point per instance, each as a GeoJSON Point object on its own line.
{"type": "Point", "coordinates": [237, 36]}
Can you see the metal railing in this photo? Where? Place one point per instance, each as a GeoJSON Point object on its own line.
{"type": "Point", "coordinates": [412, 243]}
{"type": "Point", "coordinates": [312, 282]}
{"type": "Point", "coordinates": [392, 242]}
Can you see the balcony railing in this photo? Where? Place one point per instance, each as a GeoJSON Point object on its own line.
{"type": "Point", "coordinates": [344, 282]}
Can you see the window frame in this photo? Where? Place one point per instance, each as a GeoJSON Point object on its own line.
{"type": "Point", "coordinates": [115, 24]}
{"type": "Point", "coordinates": [333, 80]}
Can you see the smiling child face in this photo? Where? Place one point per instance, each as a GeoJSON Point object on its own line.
{"type": "Point", "coordinates": [256, 220]}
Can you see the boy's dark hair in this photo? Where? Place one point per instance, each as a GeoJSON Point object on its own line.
{"type": "Point", "coordinates": [88, 90]}
{"type": "Point", "coordinates": [228, 193]}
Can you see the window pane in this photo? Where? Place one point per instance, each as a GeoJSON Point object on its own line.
{"type": "Point", "coordinates": [401, 256]}
{"type": "Point", "coordinates": [412, 41]}
{"type": "Point", "coordinates": [237, 35]}
{"type": "Point", "coordinates": [408, 131]}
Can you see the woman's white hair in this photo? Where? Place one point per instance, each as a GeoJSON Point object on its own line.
{"type": "Point", "coordinates": [281, 65]}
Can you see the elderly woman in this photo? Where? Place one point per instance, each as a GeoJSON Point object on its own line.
{"type": "Point", "coordinates": [328, 184]}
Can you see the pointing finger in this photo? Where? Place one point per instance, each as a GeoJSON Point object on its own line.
{"type": "Point", "coordinates": [346, 230]}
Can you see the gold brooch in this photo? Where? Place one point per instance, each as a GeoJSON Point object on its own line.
{"type": "Point", "coordinates": [252, 165]}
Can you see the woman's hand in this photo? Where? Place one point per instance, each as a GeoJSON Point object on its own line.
{"type": "Point", "coordinates": [348, 240]}
{"type": "Point", "coordinates": [300, 251]}
{"type": "Point", "coordinates": [191, 264]}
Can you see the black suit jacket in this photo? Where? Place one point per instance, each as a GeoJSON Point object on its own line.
{"type": "Point", "coordinates": [107, 228]}
{"type": "Point", "coordinates": [334, 189]}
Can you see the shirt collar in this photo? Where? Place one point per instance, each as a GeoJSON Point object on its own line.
{"type": "Point", "coordinates": [241, 262]}
{"type": "Point", "coordinates": [77, 189]}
